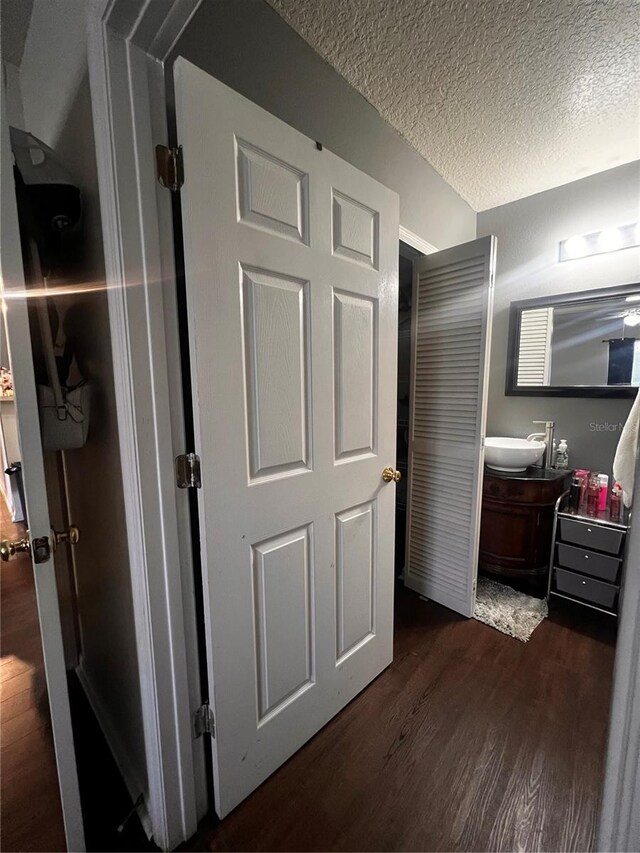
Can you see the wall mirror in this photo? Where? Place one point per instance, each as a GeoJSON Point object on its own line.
{"type": "Point", "coordinates": [584, 344]}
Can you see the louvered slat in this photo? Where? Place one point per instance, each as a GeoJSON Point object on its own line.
{"type": "Point", "coordinates": [534, 350]}
{"type": "Point", "coordinates": [451, 338]}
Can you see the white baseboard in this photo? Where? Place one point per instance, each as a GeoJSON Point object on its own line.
{"type": "Point", "coordinates": [119, 753]}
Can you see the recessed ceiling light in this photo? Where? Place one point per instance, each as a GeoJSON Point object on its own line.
{"type": "Point", "coordinates": [633, 298]}
{"type": "Point", "coordinates": [632, 318]}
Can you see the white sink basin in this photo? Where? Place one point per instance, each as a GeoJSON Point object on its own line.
{"type": "Point", "coordinates": [512, 454]}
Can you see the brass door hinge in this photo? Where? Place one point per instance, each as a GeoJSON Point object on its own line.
{"type": "Point", "coordinates": [170, 167]}
{"type": "Point", "coordinates": [188, 471]}
{"type": "Point", "coordinates": [203, 721]}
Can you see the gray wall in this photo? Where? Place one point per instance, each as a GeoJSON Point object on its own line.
{"type": "Point", "coordinates": [528, 233]}
{"type": "Point", "coordinates": [579, 355]}
{"type": "Point", "coordinates": [246, 45]}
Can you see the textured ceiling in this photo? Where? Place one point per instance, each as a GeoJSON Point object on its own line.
{"type": "Point", "coordinates": [14, 23]}
{"type": "Point", "coordinates": [504, 98]}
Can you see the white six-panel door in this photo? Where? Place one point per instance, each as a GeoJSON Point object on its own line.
{"type": "Point", "coordinates": [451, 340]}
{"type": "Point", "coordinates": [291, 269]}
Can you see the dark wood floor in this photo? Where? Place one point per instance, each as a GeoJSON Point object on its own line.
{"type": "Point", "coordinates": [30, 811]}
{"type": "Point", "coordinates": [470, 741]}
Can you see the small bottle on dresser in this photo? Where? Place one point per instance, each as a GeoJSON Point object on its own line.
{"type": "Point", "coordinates": [574, 494]}
{"type": "Point", "coordinates": [615, 507]}
{"type": "Point", "coordinates": [562, 456]}
{"type": "Point", "coordinates": [583, 475]}
{"type": "Point", "coordinates": [593, 495]}
{"type": "Point", "coordinates": [604, 491]}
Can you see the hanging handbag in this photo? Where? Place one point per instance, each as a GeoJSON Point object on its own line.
{"type": "Point", "coordinates": [64, 412]}
{"type": "Point", "coordinates": [64, 415]}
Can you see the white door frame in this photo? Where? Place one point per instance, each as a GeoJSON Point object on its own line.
{"type": "Point", "coordinates": [620, 813]}
{"type": "Point", "coordinates": [128, 42]}
{"type": "Point", "coordinates": [416, 242]}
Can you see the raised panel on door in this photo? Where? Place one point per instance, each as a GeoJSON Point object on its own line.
{"type": "Point", "coordinates": [276, 332]}
{"type": "Point", "coordinates": [283, 591]}
{"type": "Point", "coordinates": [355, 336]}
{"type": "Point", "coordinates": [291, 278]}
{"type": "Point", "coordinates": [355, 230]}
{"type": "Point", "coordinates": [355, 578]}
{"type": "Point", "coordinates": [272, 194]}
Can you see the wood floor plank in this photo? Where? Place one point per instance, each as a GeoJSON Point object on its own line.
{"type": "Point", "coordinates": [25, 680]}
{"type": "Point", "coordinates": [17, 704]}
{"type": "Point", "coordinates": [22, 725]}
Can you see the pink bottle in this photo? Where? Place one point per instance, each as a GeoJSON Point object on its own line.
{"type": "Point", "coordinates": [615, 506]}
{"type": "Point", "coordinates": [593, 495]}
{"type": "Point", "coordinates": [603, 479]}
{"type": "Point", "coordinates": [583, 475]}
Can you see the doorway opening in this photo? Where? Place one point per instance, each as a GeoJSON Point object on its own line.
{"type": "Point", "coordinates": [407, 255]}
{"type": "Point", "coordinates": [427, 633]}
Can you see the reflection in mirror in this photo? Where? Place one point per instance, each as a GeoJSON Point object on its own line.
{"type": "Point", "coordinates": [577, 341]}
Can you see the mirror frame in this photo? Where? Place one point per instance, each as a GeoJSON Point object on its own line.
{"type": "Point", "coordinates": [513, 346]}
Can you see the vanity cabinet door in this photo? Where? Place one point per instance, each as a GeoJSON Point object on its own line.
{"type": "Point", "coordinates": [517, 524]}
{"type": "Point", "coordinates": [514, 538]}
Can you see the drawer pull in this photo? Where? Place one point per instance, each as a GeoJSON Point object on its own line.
{"type": "Point", "coordinates": [584, 583]}
{"type": "Point", "coordinates": [586, 556]}
{"type": "Point", "coordinates": [588, 530]}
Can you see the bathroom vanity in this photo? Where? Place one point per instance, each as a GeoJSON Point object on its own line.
{"type": "Point", "coordinates": [517, 523]}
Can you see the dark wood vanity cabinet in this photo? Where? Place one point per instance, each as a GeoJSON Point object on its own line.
{"type": "Point", "coordinates": [517, 522]}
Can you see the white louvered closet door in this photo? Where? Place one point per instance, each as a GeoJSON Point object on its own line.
{"type": "Point", "coordinates": [452, 310]}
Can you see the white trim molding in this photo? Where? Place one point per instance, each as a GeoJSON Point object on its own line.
{"type": "Point", "coordinates": [416, 242]}
{"type": "Point", "coordinates": [620, 815]}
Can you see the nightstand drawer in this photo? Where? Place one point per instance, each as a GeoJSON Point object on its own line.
{"type": "Point", "coordinates": [589, 562]}
{"type": "Point", "coordinates": [591, 535]}
{"type": "Point", "coordinates": [589, 589]}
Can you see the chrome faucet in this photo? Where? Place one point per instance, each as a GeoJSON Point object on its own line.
{"type": "Point", "coordinates": [547, 437]}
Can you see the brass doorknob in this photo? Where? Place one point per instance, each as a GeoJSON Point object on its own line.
{"type": "Point", "coordinates": [10, 547]}
{"type": "Point", "coordinates": [390, 474]}
{"type": "Point", "coordinates": [70, 535]}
